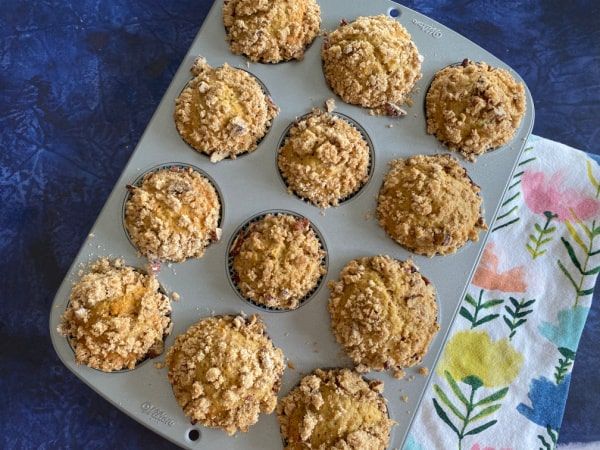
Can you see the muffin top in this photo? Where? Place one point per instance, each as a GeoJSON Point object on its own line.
{"type": "Point", "coordinates": [473, 107]}
{"type": "Point", "coordinates": [335, 409]}
{"type": "Point", "coordinates": [383, 312]}
{"type": "Point", "coordinates": [429, 205]}
{"type": "Point", "coordinates": [324, 159]}
{"type": "Point", "coordinates": [271, 31]}
{"type": "Point", "coordinates": [277, 261]}
{"type": "Point", "coordinates": [223, 112]}
{"type": "Point", "coordinates": [372, 62]}
{"type": "Point", "coordinates": [116, 317]}
{"type": "Point", "coordinates": [173, 214]}
{"type": "Point", "coordinates": [225, 371]}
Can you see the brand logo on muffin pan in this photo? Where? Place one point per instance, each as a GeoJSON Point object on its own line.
{"type": "Point", "coordinates": [430, 30]}
{"type": "Point", "coordinates": [156, 414]}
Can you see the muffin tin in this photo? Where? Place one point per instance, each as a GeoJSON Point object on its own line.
{"type": "Point", "coordinates": [252, 185]}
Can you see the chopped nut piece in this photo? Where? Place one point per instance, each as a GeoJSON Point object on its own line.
{"type": "Point", "coordinates": [423, 371]}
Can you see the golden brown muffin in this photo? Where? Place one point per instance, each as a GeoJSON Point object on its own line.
{"type": "Point", "coordinates": [372, 62]}
{"type": "Point", "coordinates": [173, 214]}
{"type": "Point", "coordinates": [429, 205]}
{"type": "Point", "coordinates": [383, 312]}
{"type": "Point", "coordinates": [271, 31]}
{"type": "Point", "coordinates": [225, 371]}
{"type": "Point", "coordinates": [116, 317]}
{"type": "Point", "coordinates": [324, 159]}
{"type": "Point", "coordinates": [335, 409]}
{"type": "Point", "coordinates": [277, 261]}
{"type": "Point", "coordinates": [473, 107]}
{"type": "Point", "coordinates": [223, 112]}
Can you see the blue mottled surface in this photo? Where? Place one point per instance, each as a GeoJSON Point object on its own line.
{"type": "Point", "coordinates": [78, 83]}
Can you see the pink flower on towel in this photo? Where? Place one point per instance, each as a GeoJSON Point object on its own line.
{"type": "Point", "coordinates": [489, 276]}
{"type": "Point", "coordinates": [546, 194]}
{"type": "Point", "coordinates": [479, 447]}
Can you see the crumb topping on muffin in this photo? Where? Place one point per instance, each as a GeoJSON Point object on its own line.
{"type": "Point", "coordinates": [116, 317]}
{"type": "Point", "coordinates": [335, 409]}
{"type": "Point", "coordinates": [271, 31]}
{"type": "Point", "coordinates": [372, 62]}
{"type": "Point", "coordinates": [223, 112]}
{"type": "Point", "coordinates": [173, 214]}
{"type": "Point", "coordinates": [473, 107]}
{"type": "Point", "coordinates": [225, 371]}
{"type": "Point", "coordinates": [429, 205]}
{"type": "Point", "coordinates": [324, 159]}
{"type": "Point", "coordinates": [278, 260]}
{"type": "Point", "coordinates": [383, 312]}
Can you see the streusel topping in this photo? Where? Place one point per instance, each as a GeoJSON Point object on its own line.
{"type": "Point", "coordinates": [271, 31]}
{"type": "Point", "coordinates": [429, 205]}
{"type": "Point", "coordinates": [473, 107]}
{"type": "Point", "coordinates": [335, 409]}
{"type": "Point", "coordinates": [223, 112]}
{"type": "Point", "coordinates": [372, 62]}
{"type": "Point", "coordinates": [116, 317]}
{"type": "Point", "coordinates": [225, 371]}
{"type": "Point", "coordinates": [324, 159]}
{"type": "Point", "coordinates": [383, 312]}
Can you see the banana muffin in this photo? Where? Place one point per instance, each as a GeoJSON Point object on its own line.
{"type": "Point", "coordinates": [335, 409]}
{"type": "Point", "coordinates": [324, 159]}
{"type": "Point", "coordinates": [383, 312]}
{"type": "Point", "coordinates": [223, 112]}
{"type": "Point", "coordinates": [277, 261]}
{"type": "Point", "coordinates": [429, 205]}
{"type": "Point", "coordinates": [116, 317]}
{"type": "Point", "coordinates": [271, 31]}
{"type": "Point", "coordinates": [473, 107]}
{"type": "Point", "coordinates": [225, 371]}
{"type": "Point", "coordinates": [372, 62]}
{"type": "Point", "coordinates": [173, 214]}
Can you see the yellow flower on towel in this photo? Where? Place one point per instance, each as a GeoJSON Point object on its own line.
{"type": "Point", "coordinates": [474, 354]}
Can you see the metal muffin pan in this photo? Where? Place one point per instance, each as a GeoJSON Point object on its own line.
{"type": "Point", "coordinates": [252, 185]}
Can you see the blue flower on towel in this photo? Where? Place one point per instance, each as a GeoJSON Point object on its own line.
{"type": "Point", "coordinates": [570, 325]}
{"type": "Point", "coordinates": [547, 402]}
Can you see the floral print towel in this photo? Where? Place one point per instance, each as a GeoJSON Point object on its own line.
{"type": "Point", "coordinates": [502, 379]}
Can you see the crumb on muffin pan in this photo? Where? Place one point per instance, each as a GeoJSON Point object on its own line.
{"type": "Point", "coordinates": [246, 203]}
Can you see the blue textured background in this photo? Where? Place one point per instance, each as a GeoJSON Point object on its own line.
{"type": "Point", "coordinates": [78, 83]}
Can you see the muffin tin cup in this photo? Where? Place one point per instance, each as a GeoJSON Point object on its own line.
{"type": "Point", "coordinates": [365, 136]}
{"type": "Point", "coordinates": [252, 185]}
{"type": "Point", "coordinates": [238, 233]}
{"type": "Point", "coordinates": [138, 181]}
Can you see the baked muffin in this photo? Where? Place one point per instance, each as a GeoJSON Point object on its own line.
{"type": "Point", "coordinates": [116, 317]}
{"type": "Point", "coordinates": [473, 108]}
{"type": "Point", "coordinates": [335, 409]}
{"type": "Point", "coordinates": [277, 261]}
{"type": "Point", "coordinates": [383, 312]}
{"type": "Point", "coordinates": [223, 112]}
{"type": "Point", "coordinates": [429, 205]}
{"type": "Point", "coordinates": [173, 214]}
{"type": "Point", "coordinates": [324, 159]}
{"type": "Point", "coordinates": [372, 62]}
{"type": "Point", "coordinates": [271, 31]}
{"type": "Point", "coordinates": [225, 371]}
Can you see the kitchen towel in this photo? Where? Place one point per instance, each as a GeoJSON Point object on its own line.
{"type": "Point", "coordinates": [502, 379]}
